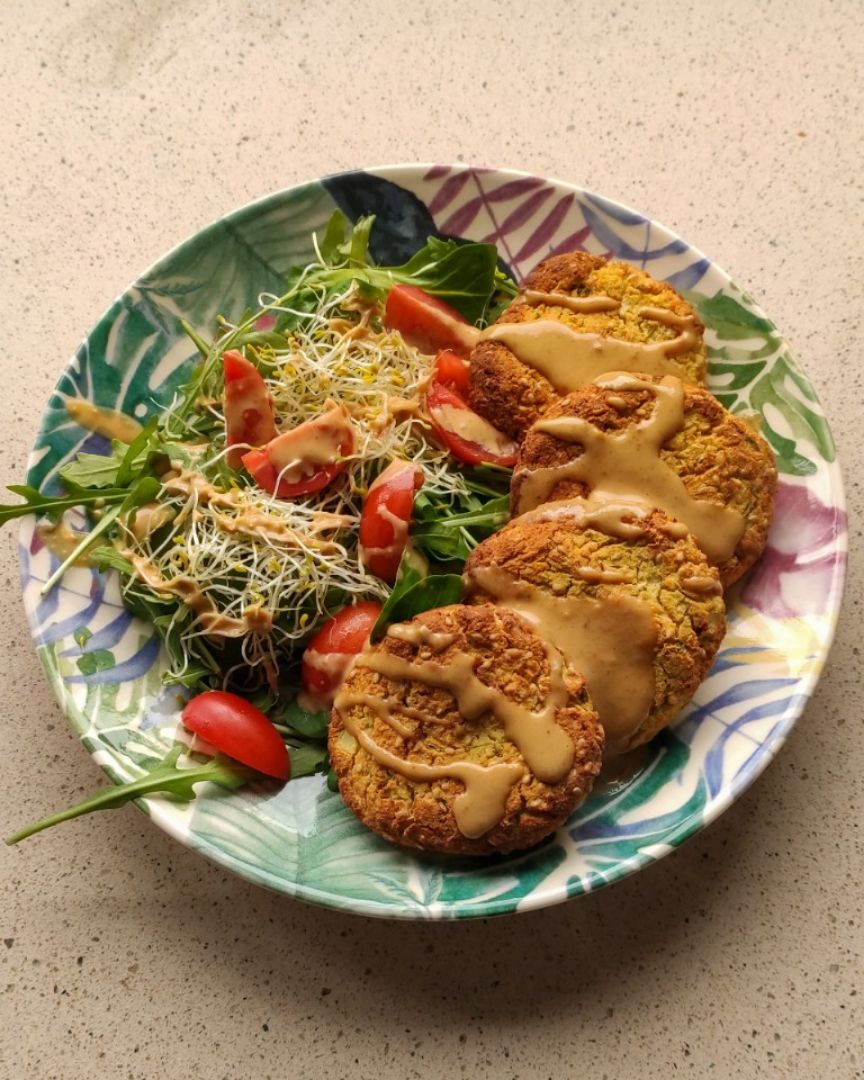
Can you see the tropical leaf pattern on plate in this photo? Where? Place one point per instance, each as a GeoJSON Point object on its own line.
{"type": "Point", "coordinates": [105, 665]}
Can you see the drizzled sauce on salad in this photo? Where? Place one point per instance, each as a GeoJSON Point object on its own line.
{"type": "Point", "coordinates": [108, 422]}
{"type": "Point", "coordinates": [61, 540]}
{"type": "Point", "coordinates": [213, 623]}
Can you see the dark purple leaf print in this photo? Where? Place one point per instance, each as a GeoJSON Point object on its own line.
{"type": "Point", "coordinates": [546, 229]}
{"type": "Point", "coordinates": [448, 191]}
{"type": "Point", "coordinates": [521, 215]}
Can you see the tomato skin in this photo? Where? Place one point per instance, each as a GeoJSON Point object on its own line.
{"type": "Point", "coordinates": [248, 408]}
{"type": "Point", "coordinates": [239, 730]}
{"type": "Point", "coordinates": [266, 463]}
{"type": "Point", "coordinates": [383, 539]}
{"type": "Point", "coordinates": [428, 323]}
{"type": "Point", "coordinates": [452, 371]}
{"type": "Point", "coordinates": [440, 397]}
{"type": "Point", "coordinates": [332, 647]}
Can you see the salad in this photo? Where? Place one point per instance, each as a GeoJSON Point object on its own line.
{"type": "Point", "coordinates": [318, 476]}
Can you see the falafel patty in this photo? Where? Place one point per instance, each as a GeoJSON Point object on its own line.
{"type": "Point", "coordinates": [464, 732]}
{"type": "Point", "coordinates": [578, 315]}
{"type": "Point", "coordinates": [624, 592]}
{"type": "Point", "coordinates": [669, 443]}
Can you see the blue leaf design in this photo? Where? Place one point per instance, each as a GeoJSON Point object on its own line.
{"type": "Point", "coordinates": [614, 210]}
{"type": "Point", "coordinates": [622, 249]}
{"type": "Point", "coordinates": [689, 277]}
{"type": "Point", "coordinates": [107, 637]}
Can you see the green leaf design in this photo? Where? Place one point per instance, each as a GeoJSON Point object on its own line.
{"type": "Point", "coordinates": [98, 660]}
{"type": "Point", "coordinates": [762, 376]}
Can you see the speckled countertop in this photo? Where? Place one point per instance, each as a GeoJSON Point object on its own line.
{"type": "Point", "coordinates": [126, 125]}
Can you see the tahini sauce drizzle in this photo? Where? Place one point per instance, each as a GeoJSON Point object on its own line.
{"type": "Point", "coordinates": [614, 463]}
{"type": "Point", "coordinates": [107, 422]}
{"type": "Point", "coordinates": [611, 640]}
{"type": "Point", "coordinates": [472, 428]}
{"type": "Point", "coordinates": [61, 540]}
{"type": "Point", "coordinates": [569, 359]}
{"type": "Point", "coordinates": [582, 305]}
{"type": "Point", "coordinates": [308, 452]}
{"type": "Point", "coordinates": [547, 749]}
{"type": "Point", "coordinates": [214, 624]}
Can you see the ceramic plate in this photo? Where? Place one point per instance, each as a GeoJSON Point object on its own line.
{"type": "Point", "coordinates": [301, 840]}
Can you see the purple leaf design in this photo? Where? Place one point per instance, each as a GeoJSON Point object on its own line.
{"type": "Point", "coordinates": [522, 214]}
{"type": "Point", "coordinates": [448, 191]}
{"type": "Point", "coordinates": [514, 189]}
{"type": "Point", "coordinates": [574, 242]}
{"type": "Point", "coordinates": [457, 223]}
{"type": "Point", "coordinates": [546, 229]}
{"type": "Point", "coordinates": [437, 171]}
{"type": "Point", "coordinates": [792, 578]}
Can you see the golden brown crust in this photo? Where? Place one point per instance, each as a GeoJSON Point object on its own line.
{"type": "Point", "coordinates": [512, 659]}
{"type": "Point", "coordinates": [512, 395]}
{"type": "Point", "coordinates": [689, 628]}
{"type": "Point", "coordinates": [720, 458]}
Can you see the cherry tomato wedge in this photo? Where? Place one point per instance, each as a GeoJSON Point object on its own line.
{"type": "Point", "coordinates": [469, 438]}
{"type": "Point", "coordinates": [452, 371]}
{"type": "Point", "coordinates": [386, 516]}
{"type": "Point", "coordinates": [236, 728]}
{"type": "Point", "coordinates": [305, 459]}
{"type": "Point", "coordinates": [332, 648]}
{"type": "Point", "coordinates": [248, 409]}
{"type": "Point", "coordinates": [428, 323]}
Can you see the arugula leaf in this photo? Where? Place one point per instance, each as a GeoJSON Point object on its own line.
{"type": "Point", "coordinates": [37, 503]}
{"type": "Point", "coordinates": [334, 237]}
{"type": "Point", "coordinates": [196, 339]}
{"type": "Point", "coordinates": [89, 471]}
{"type": "Point", "coordinates": [310, 725]}
{"type": "Point", "coordinates": [413, 592]}
{"type": "Point", "coordinates": [308, 759]}
{"type": "Point", "coordinates": [109, 558]}
{"type": "Point", "coordinates": [359, 246]}
{"type": "Point", "coordinates": [142, 444]}
{"type": "Point", "coordinates": [165, 778]}
{"type": "Point", "coordinates": [447, 536]}
{"type": "Point", "coordinates": [407, 577]}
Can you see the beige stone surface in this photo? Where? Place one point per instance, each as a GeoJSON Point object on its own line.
{"type": "Point", "coordinates": [128, 124]}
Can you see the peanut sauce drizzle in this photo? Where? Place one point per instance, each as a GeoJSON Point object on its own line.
{"type": "Point", "coordinates": [61, 540]}
{"type": "Point", "coordinates": [621, 517]}
{"type": "Point", "coordinates": [471, 427]}
{"type": "Point", "coordinates": [614, 463]}
{"type": "Point", "coordinates": [702, 586]}
{"type": "Point", "coordinates": [547, 749]}
{"type": "Point", "coordinates": [611, 640]}
{"type": "Point", "coordinates": [582, 305]}
{"type": "Point", "coordinates": [398, 525]}
{"type": "Point", "coordinates": [570, 360]}
{"type": "Point", "coordinates": [108, 422]}
{"type": "Point", "coordinates": [213, 624]}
